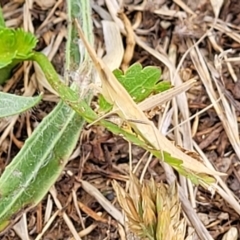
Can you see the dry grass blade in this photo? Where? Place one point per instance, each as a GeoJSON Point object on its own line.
{"type": "Point", "coordinates": [113, 43]}
{"type": "Point", "coordinates": [232, 234]}
{"type": "Point", "coordinates": [155, 212]}
{"type": "Point", "coordinates": [130, 42]}
{"type": "Point", "coordinates": [226, 119]}
{"type": "Point", "coordinates": [165, 96]}
{"type": "Point", "coordinates": [103, 201]}
{"type": "Point", "coordinates": [21, 228]}
{"type": "Point", "coordinates": [65, 216]}
{"type": "Point", "coordinates": [128, 109]}
{"type": "Point", "coordinates": [226, 116]}
{"type": "Point", "coordinates": [216, 5]}
{"type": "Point", "coordinates": [48, 225]}
{"type": "Point", "coordinates": [114, 46]}
{"type": "Point", "coordinates": [184, 6]}
{"type": "Point", "coordinates": [91, 213]}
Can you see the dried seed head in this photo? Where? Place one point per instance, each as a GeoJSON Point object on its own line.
{"type": "Point", "coordinates": [135, 191]}
{"type": "Point", "coordinates": [152, 210]}
{"type": "Point", "coordinates": [126, 202]}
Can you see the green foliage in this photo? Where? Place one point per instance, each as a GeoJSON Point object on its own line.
{"type": "Point", "coordinates": [141, 82]}
{"type": "Point", "coordinates": [31, 173]}
{"type": "Point", "coordinates": [24, 44]}
{"type": "Point", "coordinates": [11, 104]}
{"type": "Point", "coordinates": [2, 22]}
{"type": "Point", "coordinates": [104, 106]}
{"type": "Point", "coordinates": [45, 153]}
{"type": "Point", "coordinates": [71, 98]}
{"type": "Point", "coordinates": [39, 163]}
{"type": "Point", "coordinates": [82, 108]}
{"type": "Point", "coordinates": [15, 46]}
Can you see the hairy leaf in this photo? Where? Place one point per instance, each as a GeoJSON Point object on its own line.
{"type": "Point", "coordinates": [11, 104]}
{"type": "Point", "coordinates": [39, 163]}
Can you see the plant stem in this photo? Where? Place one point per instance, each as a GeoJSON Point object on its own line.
{"type": "Point", "coordinates": [2, 22]}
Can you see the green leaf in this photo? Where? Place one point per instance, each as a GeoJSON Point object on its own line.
{"type": "Point", "coordinates": [25, 43]}
{"type": "Point", "coordinates": [195, 178]}
{"type": "Point", "coordinates": [2, 22]}
{"type": "Point", "coordinates": [68, 95]}
{"type": "Point", "coordinates": [7, 47]}
{"type": "Point", "coordinates": [104, 106]}
{"type": "Point", "coordinates": [15, 45]}
{"type": "Point", "coordinates": [39, 163]}
{"type": "Point", "coordinates": [5, 73]}
{"type": "Point", "coordinates": [174, 162]}
{"type": "Point", "coordinates": [141, 82]}
{"type": "Point", "coordinates": [161, 87]}
{"type": "Point", "coordinates": [11, 104]}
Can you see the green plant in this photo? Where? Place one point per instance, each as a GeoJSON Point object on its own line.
{"type": "Point", "coordinates": [12, 104]}
{"type": "Point", "coordinates": [45, 153]}
{"type": "Point", "coordinates": [39, 163]}
{"type": "Point", "coordinates": [15, 46]}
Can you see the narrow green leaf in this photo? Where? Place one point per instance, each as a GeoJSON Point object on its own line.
{"type": "Point", "coordinates": [68, 95]}
{"type": "Point", "coordinates": [39, 163]}
{"type": "Point", "coordinates": [37, 166]}
{"type": "Point", "coordinates": [7, 47]}
{"type": "Point", "coordinates": [5, 73]}
{"type": "Point", "coordinates": [196, 178]}
{"type": "Point", "coordinates": [104, 106]}
{"type": "Point", "coordinates": [11, 104]}
{"type": "Point", "coordinates": [2, 22]}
